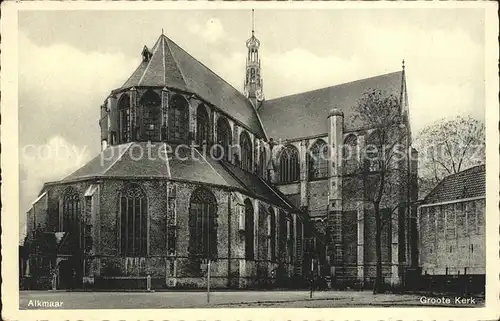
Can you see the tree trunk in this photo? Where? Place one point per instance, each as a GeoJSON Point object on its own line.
{"type": "Point", "coordinates": [378, 284]}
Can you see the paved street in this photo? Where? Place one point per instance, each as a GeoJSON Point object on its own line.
{"type": "Point", "coordinates": [222, 299]}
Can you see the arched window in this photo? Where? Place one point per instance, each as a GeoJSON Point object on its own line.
{"type": "Point", "coordinates": [246, 151]}
{"type": "Point", "coordinates": [249, 230]}
{"type": "Point", "coordinates": [318, 160]}
{"type": "Point", "coordinates": [224, 138]}
{"type": "Point", "coordinates": [203, 224]}
{"type": "Point", "coordinates": [178, 122]}
{"type": "Point", "coordinates": [350, 154]}
{"type": "Point", "coordinates": [289, 164]}
{"type": "Point", "coordinates": [373, 152]}
{"type": "Point", "coordinates": [282, 234]}
{"type": "Point", "coordinates": [272, 234]}
{"type": "Point", "coordinates": [262, 161]}
{"type": "Point", "coordinates": [134, 220]}
{"type": "Point", "coordinates": [124, 119]}
{"type": "Point", "coordinates": [202, 125]}
{"type": "Point", "coordinates": [150, 103]}
{"type": "Point", "coordinates": [71, 211]}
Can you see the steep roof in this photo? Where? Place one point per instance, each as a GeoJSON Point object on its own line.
{"type": "Point", "coordinates": [258, 187]}
{"type": "Point", "coordinates": [305, 114]}
{"type": "Point", "coordinates": [465, 184]}
{"type": "Point", "coordinates": [132, 161]}
{"type": "Point", "coordinates": [171, 66]}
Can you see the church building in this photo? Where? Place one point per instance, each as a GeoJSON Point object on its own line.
{"type": "Point", "coordinates": [193, 171]}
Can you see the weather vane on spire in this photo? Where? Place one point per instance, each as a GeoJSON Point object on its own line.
{"type": "Point", "coordinates": [253, 22]}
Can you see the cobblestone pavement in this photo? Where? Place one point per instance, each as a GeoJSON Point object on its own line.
{"type": "Point", "coordinates": [223, 299]}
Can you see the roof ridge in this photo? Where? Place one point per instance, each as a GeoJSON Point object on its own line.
{"type": "Point", "coordinates": [451, 177]}
{"type": "Point", "coordinates": [125, 149]}
{"type": "Point", "coordinates": [155, 49]}
{"type": "Point", "coordinates": [206, 161]}
{"type": "Point", "coordinates": [175, 60]}
{"type": "Point", "coordinates": [226, 168]}
{"type": "Point", "coordinates": [214, 73]}
{"type": "Point", "coordinates": [473, 168]}
{"type": "Point", "coordinates": [131, 75]}
{"type": "Point", "coordinates": [332, 86]}
{"type": "Point", "coordinates": [239, 93]}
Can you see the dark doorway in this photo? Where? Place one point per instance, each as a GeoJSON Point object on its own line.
{"type": "Point", "coordinates": [67, 275]}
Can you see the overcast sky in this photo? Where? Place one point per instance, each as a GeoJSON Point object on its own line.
{"type": "Point", "coordinates": [69, 61]}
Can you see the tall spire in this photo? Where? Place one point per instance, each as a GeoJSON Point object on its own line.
{"type": "Point", "coordinates": [253, 85]}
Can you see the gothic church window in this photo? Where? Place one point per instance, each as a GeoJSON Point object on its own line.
{"type": "Point", "coordinates": [350, 154]}
{"type": "Point", "coordinates": [224, 138]}
{"type": "Point", "coordinates": [178, 121]}
{"type": "Point", "coordinates": [262, 162]}
{"type": "Point", "coordinates": [71, 211]}
{"type": "Point", "coordinates": [203, 224]}
{"type": "Point", "coordinates": [151, 108]}
{"type": "Point", "coordinates": [202, 125]}
{"type": "Point", "coordinates": [133, 221]}
{"type": "Point", "coordinates": [318, 160]}
{"type": "Point", "coordinates": [246, 151]}
{"type": "Point", "coordinates": [373, 152]}
{"type": "Point", "coordinates": [249, 230]}
{"type": "Point", "coordinates": [289, 167]}
{"type": "Point", "coordinates": [124, 119]}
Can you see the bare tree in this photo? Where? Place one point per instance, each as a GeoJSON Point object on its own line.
{"type": "Point", "coordinates": [384, 163]}
{"type": "Point", "coordinates": [448, 147]}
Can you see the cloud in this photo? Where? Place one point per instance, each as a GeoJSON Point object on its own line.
{"type": "Point", "coordinates": [61, 89]}
{"type": "Point", "coordinates": [211, 31]}
{"type": "Point", "coordinates": [46, 162]}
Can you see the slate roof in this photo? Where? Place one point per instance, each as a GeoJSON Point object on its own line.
{"type": "Point", "coordinates": [132, 161]}
{"type": "Point", "coordinates": [465, 184]}
{"type": "Point", "coordinates": [171, 66]}
{"type": "Point", "coordinates": [305, 114]}
{"type": "Point", "coordinates": [258, 187]}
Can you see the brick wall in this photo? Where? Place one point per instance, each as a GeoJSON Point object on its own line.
{"type": "Point", "coordinates": [451, 238]}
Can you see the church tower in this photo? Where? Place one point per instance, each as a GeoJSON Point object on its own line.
{"type": "Point", "coordinates": [253, 87]}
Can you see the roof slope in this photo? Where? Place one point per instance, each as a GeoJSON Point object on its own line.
{"type": "Point", "coordinates": [132, 161]}
{"type": "Point", "coordinates": [171, 66]}
{"type": "Point", "coordinates": [304, 114]}
{"type": "Point", "coordinates": [465, 184]}
{"type": "Point", "coordinates": [258, 187]}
